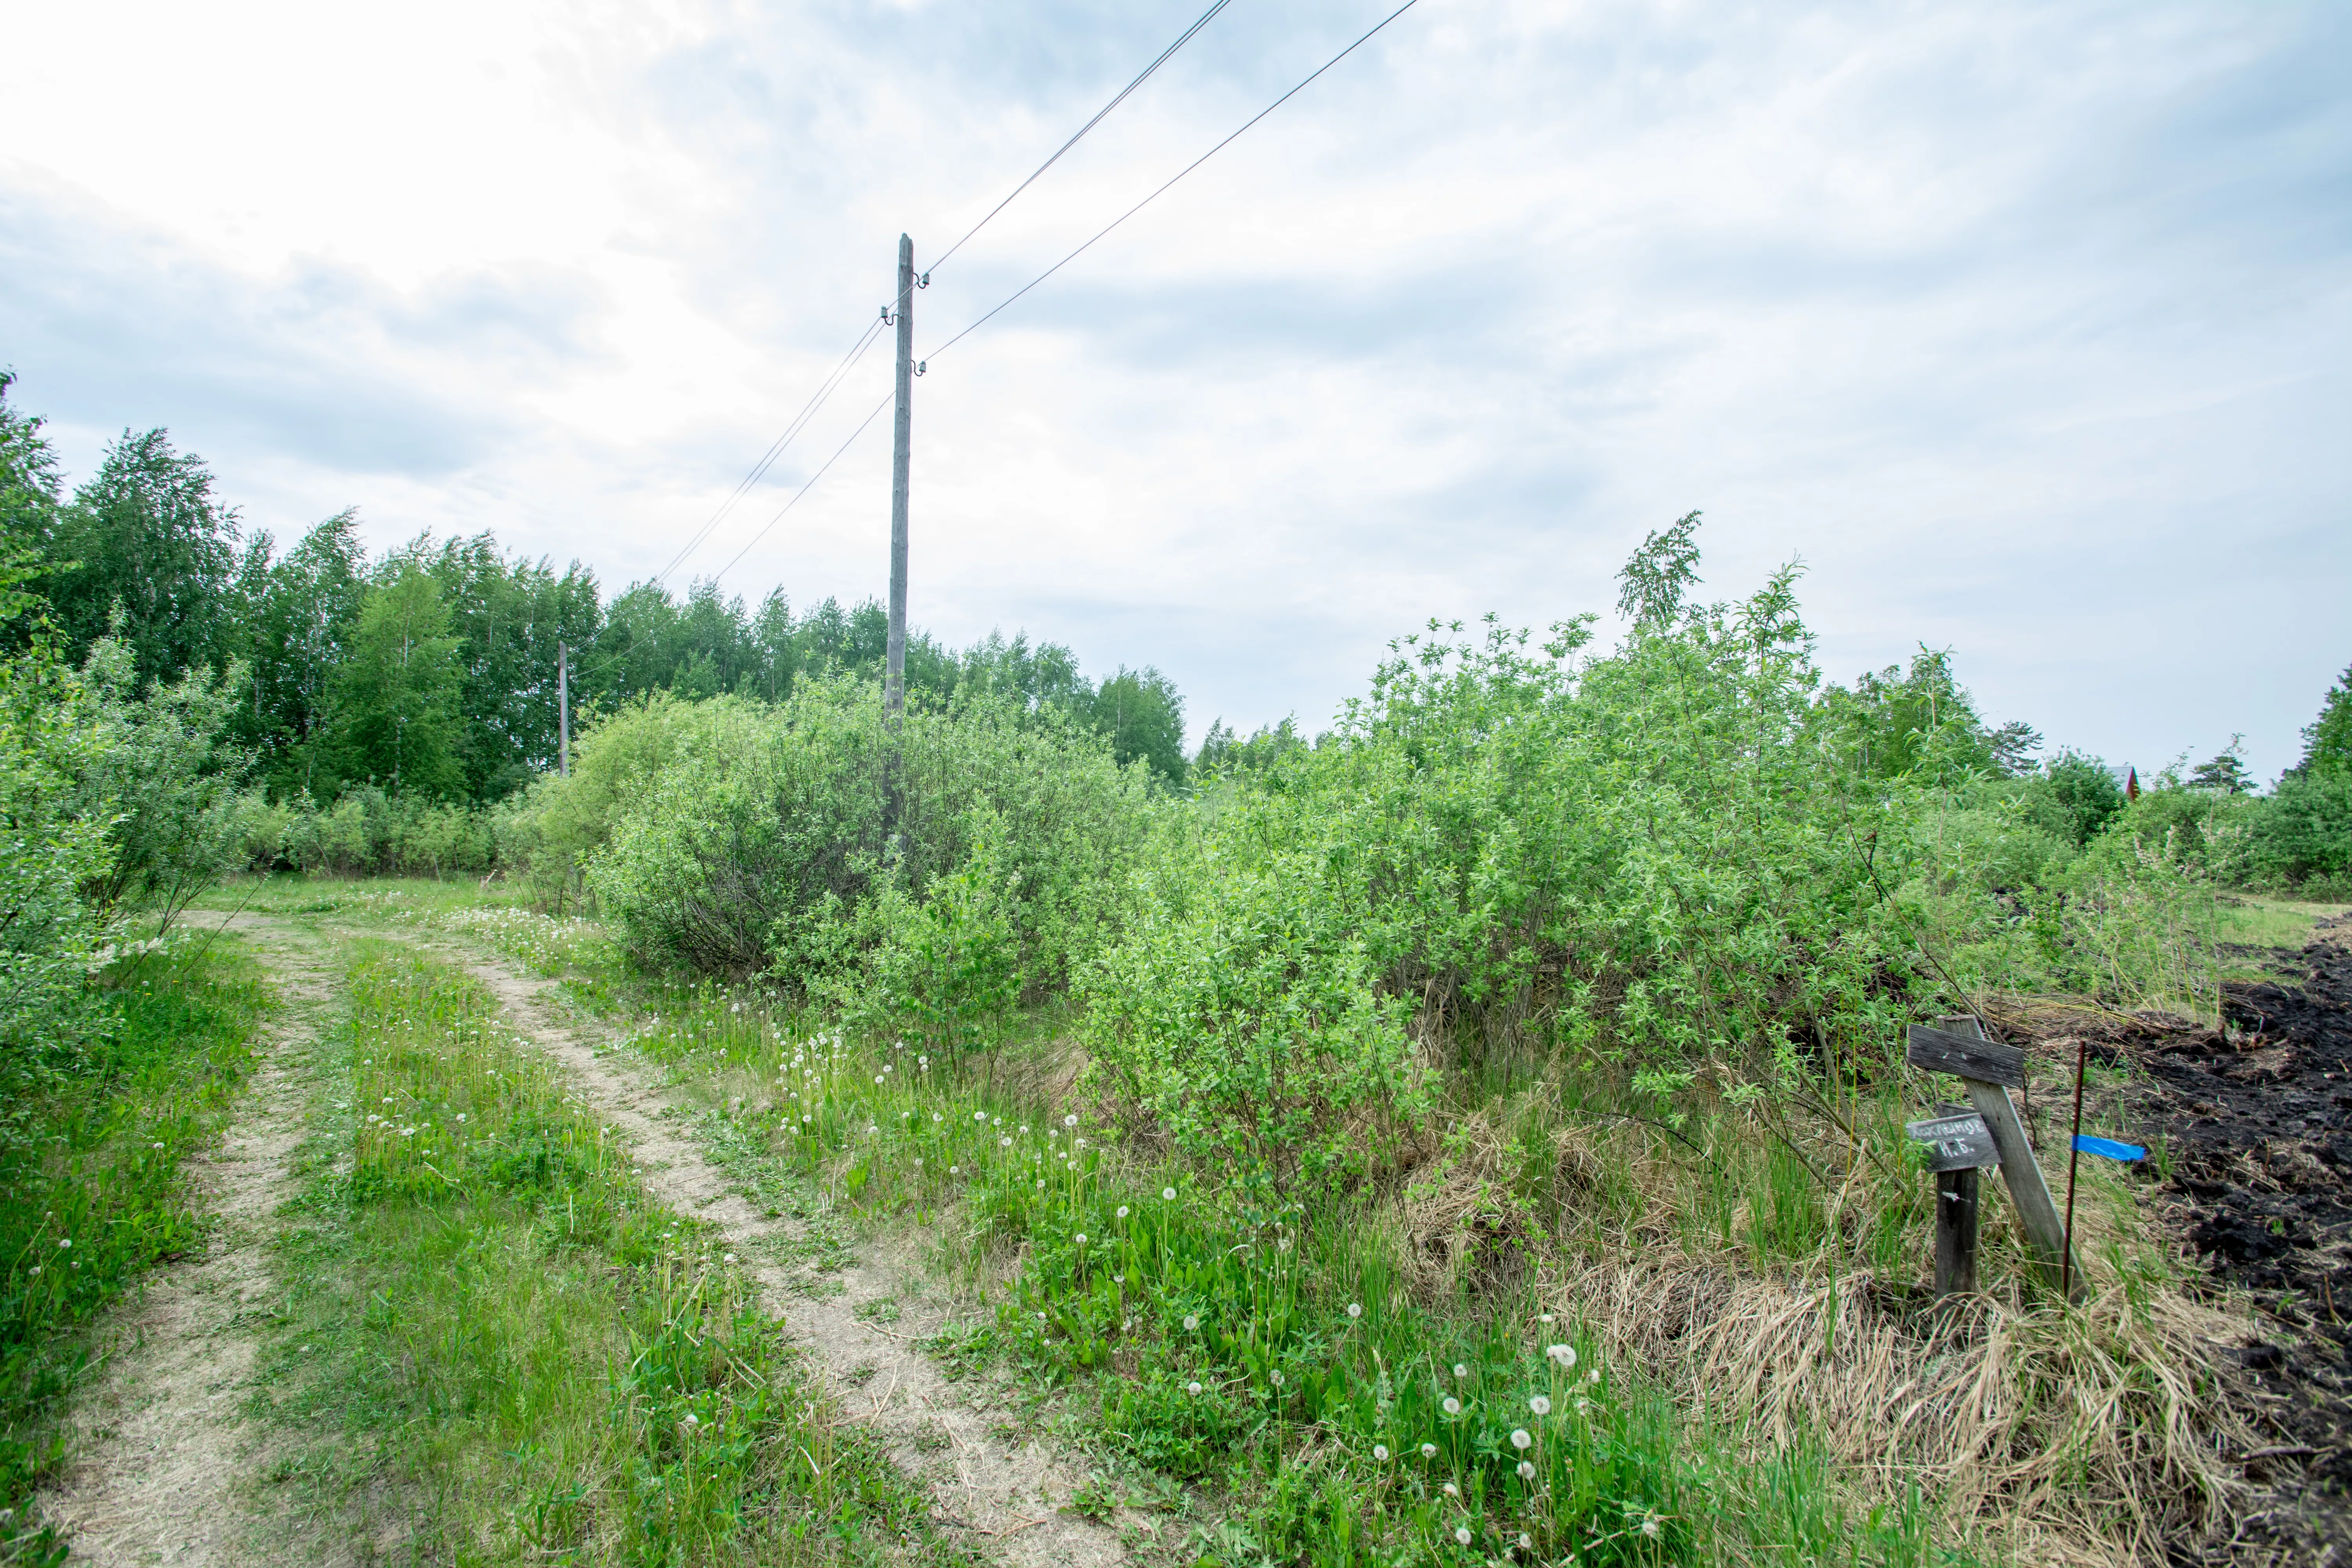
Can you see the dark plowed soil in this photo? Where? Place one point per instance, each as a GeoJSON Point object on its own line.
{"type": "Point", "coordinates": [2256, 1124]}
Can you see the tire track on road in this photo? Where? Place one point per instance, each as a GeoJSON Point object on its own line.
{"type": "Point", "coordinates": [162, 1448]}
{"type": "Point", "coordinates": [1011, 1496]}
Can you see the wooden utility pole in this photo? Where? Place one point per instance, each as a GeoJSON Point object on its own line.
{"type": "Point", "coordinates": [894, 690]}
{"type": "Point", "coordinates": [563, 708]}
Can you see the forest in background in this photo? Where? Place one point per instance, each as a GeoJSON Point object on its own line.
{"type": "Point", "coordinates": [430, 670]}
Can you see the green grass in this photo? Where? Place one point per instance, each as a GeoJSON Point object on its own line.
{"type": "Point", "coordinates": [1218, 1339]}
{"type": "Point", "coordinates": [1559, 1175]}
{"type": "Point", "coordinates": [2252, 921]}
{"type": "Point", "coordinates": [90, 1190]}
{"type": "Point", "coordinates": [498, 1346]}
{"type": "Point", "coordinates": [402, 899]}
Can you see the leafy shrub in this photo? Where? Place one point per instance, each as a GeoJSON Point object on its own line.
{"type": "Point", "coordinates": [1241, 1024]}
{"type": "Point", "coordinates": [2301, 835]}
{"type": "Point", "coordinates": [765, 844]}
{"type": "Point", "coordinates": [156, 773]}
{"type": "Point", "coordinates": [367, 831]}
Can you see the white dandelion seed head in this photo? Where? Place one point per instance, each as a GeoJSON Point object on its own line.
{"type": "Point", "coordinates": [1429, 1450]}
{"type": "Point", "coordinates": [1191, 1321]}
{"type": "Point", "coordinates": [1071, 1120]}
{"type": "Point", "coordinates": [1527, 1542]}
{"type": "Point", "coordinates": [1540, 1405]}
{"type": "Point", "coordinates": [1564, 1354]}
{"type": "Point", "coordinates": [1453, 1490]}
{"type": "Point", "coordinates": [1452, 1406]}
{"type": "Point", "coordinates": [1380, 1452]}
{"type": "Point", "coordinates": [1167, 1194]}
{"type": "Point", "coordinates": [1461, 1532]}
{"type": "Point", "coordinates": [1521, 1440]}
{"type": "Point", "coordinates": [1355, 1309]}
{"type": "Point", "coordinates": [1460, 1370]}
{"type": "Point", "coordinates": [1082, 1238]}
{"type": "Point", "coordinates": [1650, 1527]}
{"type": "Point", "coordinates": [1192, 1387]}
{"type": "Point", "coordinates": [955, 1170]}
{"type": "Point", "coordinates": [1592, 1376]}
{"type": "Point", "coordinates": [1122, 1211]}
{"type": "Point", "coordinates": [1527, 1471]}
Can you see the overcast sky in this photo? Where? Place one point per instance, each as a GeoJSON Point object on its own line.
{"type": "Point", "coordinates": [2025, 326]}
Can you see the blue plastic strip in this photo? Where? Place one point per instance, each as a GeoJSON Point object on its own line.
{"type": "Point", "coordinates": [2108, 1147]}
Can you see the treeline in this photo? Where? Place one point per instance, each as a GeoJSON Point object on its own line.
{"type": "Point", "coordinates": [428, 674]}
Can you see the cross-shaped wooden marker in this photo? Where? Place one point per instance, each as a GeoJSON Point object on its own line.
{"type": "Point", "coordinates": [1987, 1070]}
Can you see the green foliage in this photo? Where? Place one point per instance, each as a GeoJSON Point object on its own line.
{"type": "Point", "coordinates": [367, 831]}
{"type": "Point", "coordinates": [145, 553]}
{"type": "Point", "coordinates": [1223, 750]}
{"type": "Point", "coordinates": [1141, 714]}
{"type": "Point", "coordinates": [156, 773]}
{"type": "Point", "coordinates": [1238, 1020]}
{"type": "Point", "coordinates": [2226, 772]}
{"type": "Point", "coordinates": [768, 851]}
{"type": "Point", "coordinates": [90, 1190]}
{"type": "Point", "coordinates": [2327, 741]}
{"type": "Point", "coordinates": [2078, 797]}
{"type": "Point", "coordinates": [2301, 836]}
{"type": "Point", "coordinates": [29, 484]}
{"type": "Point", "coordinates": [1651, 853]}
{"type": "Point", "coordinates": [397, 720]}
{"type": "Point", "coordinates": [1918, 725]}
{"type": "Point", "coordinates": [1652, 584]}
{"type": "Point", "coordinates": [295, 615]}
{"type": "Point", "coordinates": [55, 849]}
{"type": "Point", "coordinates": [949, 964]}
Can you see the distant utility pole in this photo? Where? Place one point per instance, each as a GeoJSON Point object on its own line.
{"type": "Point", "coordinates": [894, 690]}
{"type": "Point", "coordinates": [563, 708]}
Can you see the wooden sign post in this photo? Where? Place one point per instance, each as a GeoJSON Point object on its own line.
{"type": "Point", "coordinates": [1960, 1145]}
{"type": "Point", "coordinates": [1987, 1070]}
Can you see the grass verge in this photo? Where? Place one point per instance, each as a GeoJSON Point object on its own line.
{"type": "Point", "coordinates": [91, 1193]}
{"type": "Point", "coordinates": [496, 1345]}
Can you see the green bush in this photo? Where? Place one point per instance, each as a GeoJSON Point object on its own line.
{"type": "Point", "coordinates": [2300, 837]}
{"type": "Point", "coordinates": [764, 841]}
{"type": "Point", "coordinates": [1241, 1024]}
{"type": "Point", "coordinates": [367, 831]}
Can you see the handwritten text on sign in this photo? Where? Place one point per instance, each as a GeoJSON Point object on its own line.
{"type": "Point", "coordinates": [1956, 1142]}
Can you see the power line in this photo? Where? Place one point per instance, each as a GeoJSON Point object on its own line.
{"type": "Point", "coordinates": [1185, 37]}
{"type": "Point", "coordinates": [1180, 174]}
{"type": "Point", "coordinates": [767, 460]}
{"type": "Point", "coordinates": [805, 489]}
{"type": "Point", "coordinates": [871, 331]}
{"type": "Point", "coordinates": [800, 421]}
